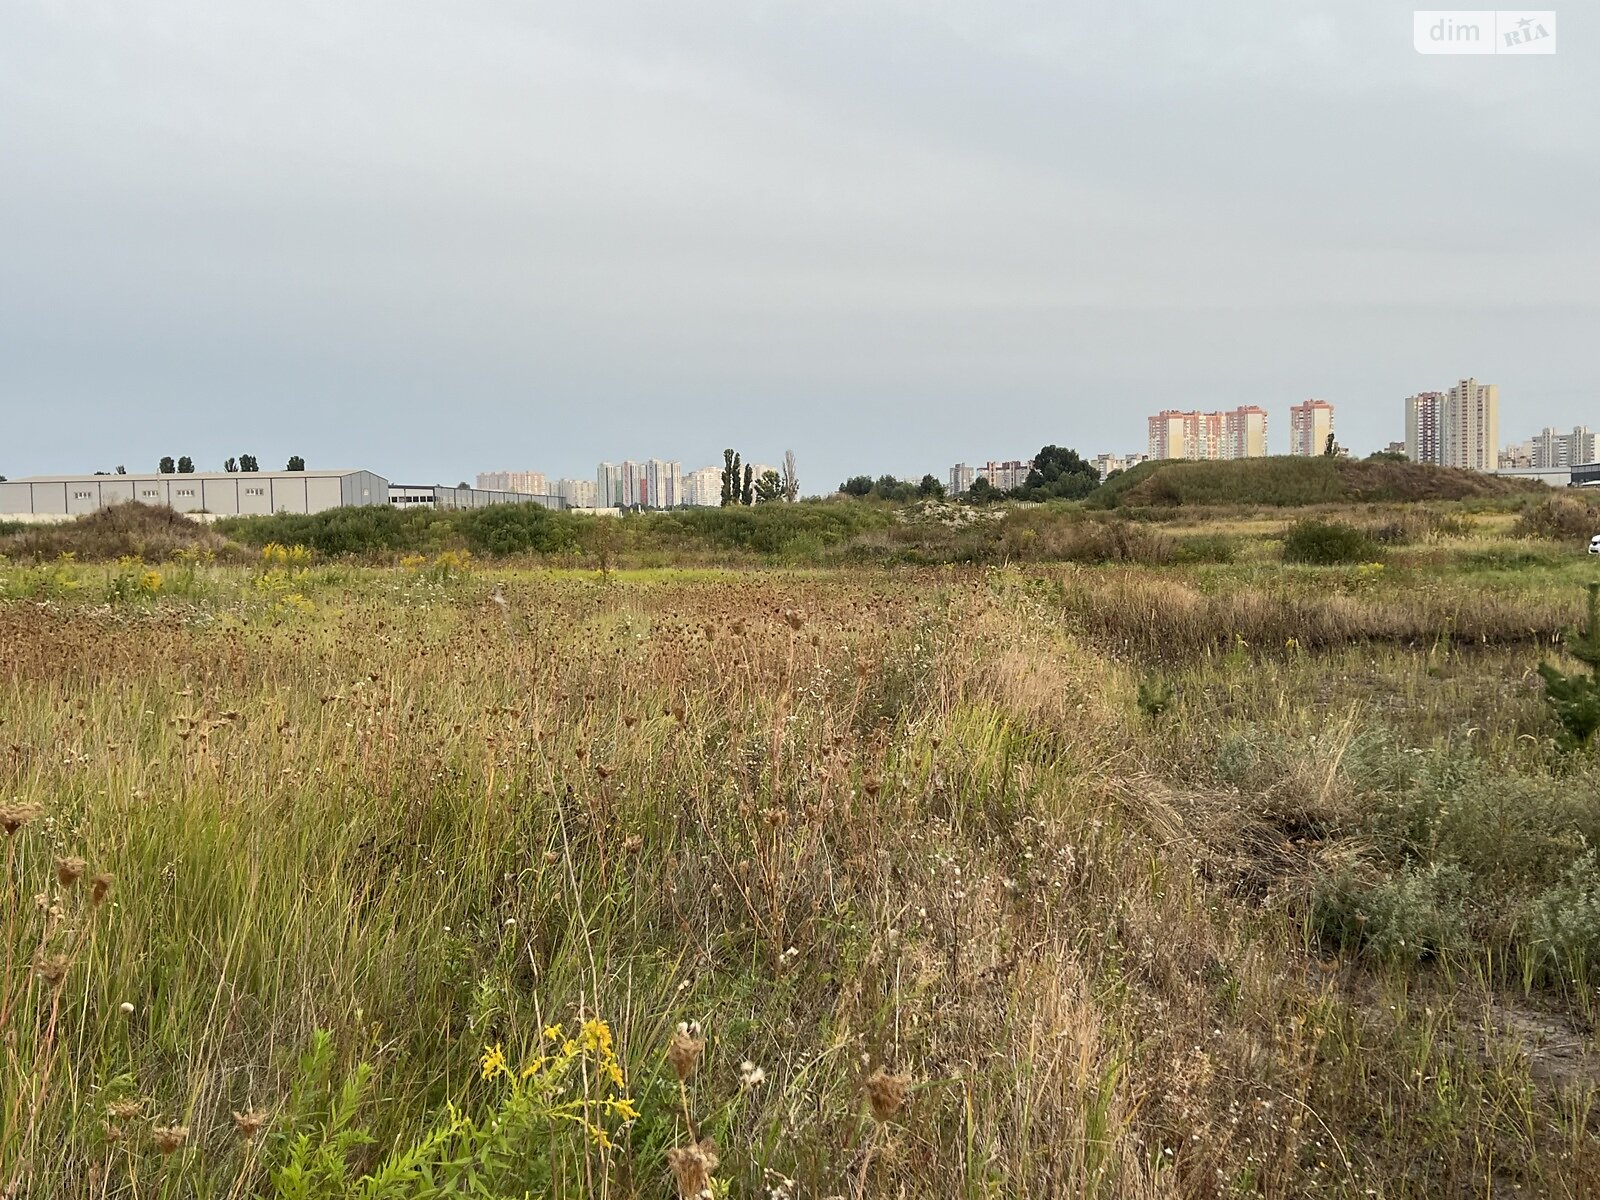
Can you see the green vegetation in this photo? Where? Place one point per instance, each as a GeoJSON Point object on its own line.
{"type": "Point", "coordinates": [1575, 698]}
{"type": "Point", "coordinates": [1131, 863]}
{"type": "Point", "coordinates": [1283, 482]}
{"type": "Point", "coordinates": [1328, 543]}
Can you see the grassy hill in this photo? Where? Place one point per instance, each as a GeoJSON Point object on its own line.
{"type": "Point", "coordinates": [1287, 482]}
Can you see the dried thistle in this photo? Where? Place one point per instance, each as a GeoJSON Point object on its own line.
{"type": "Point", "coordinates": [52, 969]}
{"type": "Point", "coordinates": [249, 1122]}
{"type": "Point", "coordinates": [170, 1138]}
{"type": "Point", "coordinates": [633, 843]}
{"type": "Point", "coordinates": [14, 816]}
{"type": "Point", "coordinates": [100, 886]}
{"type": "Point", "coordinates": [69, 870]}
{"type": "Point", "coordinates": [685, 1048]}
{"type": "Point", "coordinates": [886, 1093]}
{"type": "Point", "coordinates": [692, 1167]}
{"type": "Point", "coordinates": [124, 1110]}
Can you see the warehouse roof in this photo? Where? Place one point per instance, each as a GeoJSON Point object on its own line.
{"type": "Point", "coordinates": [191, 475]}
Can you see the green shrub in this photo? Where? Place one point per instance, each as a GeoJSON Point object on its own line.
{"type": "Point", "coordinates": [1565, 920]}
{"type": "Point", "coordinates": [1418, 912]}
{"type": "Point", "coordinates": [519, 529]}
{"type": "Point", "coordinates": [1574, 698]}
{"type": "Point", "coordinates": [1558, 519]}
{"type": "Point", "coordinates": [1206, 548]}
{"type": "Point", "coordinates": [1328, 543]}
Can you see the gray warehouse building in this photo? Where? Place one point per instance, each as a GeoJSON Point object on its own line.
{"type": "Point", "coordinates": [232, 494]}
{"type": "Point", "coordinates": [405, 495]}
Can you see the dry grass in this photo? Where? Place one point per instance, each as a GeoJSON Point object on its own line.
{"type": "Point", "coordinates": [123, 530]}
{"type": "Point", "coordinates": [904, 844]}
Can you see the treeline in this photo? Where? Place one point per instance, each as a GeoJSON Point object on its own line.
{"type": "Point", "coordinates": [1057, 474]}
{"type": "Point", "coordinates": [791, 532]}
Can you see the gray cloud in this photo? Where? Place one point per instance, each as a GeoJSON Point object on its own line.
{"type": "Point", "coordinates": [436, 239]}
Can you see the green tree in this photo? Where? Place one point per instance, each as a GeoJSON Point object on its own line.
{"type": "Point", "coordinates": [121, 470]}
{"type": "Point", "coordinates": [247, 462]}
{"type": "Point", "coordinates": [769, 487]}
{"type": "Point", "coordinates": [857, 485]}
{"type": "Point", "coordinates": [230, 465]}
{"type": "Point", "coordinates": [1058, 473]}
{"type": "Point", "coordinates": [730, 478]}
{"type": "Point", "coordinates": [747, 492]}
{"type": "Point", "coordinates": [930, 486]}
{"type": "Point", "coordinates": [1575, 698]}
{"type": "Point", "coordinates": [185, 465]}
{"type": "Point", "coordinates": [296, 463]}
{"type": "Point", "coordinates": [1331, 448]}
{"type": "Point", "coordinates": [167, 467]}
{"type": "Point", "coordinates": [983, 492]}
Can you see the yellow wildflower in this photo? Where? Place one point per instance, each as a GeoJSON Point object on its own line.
{"type": "Point", "coordinates": [623, 1107]}
{"type": "Point", "coordinates": [494, 1061]}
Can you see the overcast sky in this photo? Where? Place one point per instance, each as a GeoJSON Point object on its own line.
{"type": "Point", "coordinates": [437, 238]}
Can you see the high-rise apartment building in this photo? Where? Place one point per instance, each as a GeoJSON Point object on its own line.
{"type": "Point", "coordinates": [1458, 428]}
{"type": "Point", "coordinates": [1469, 423]}
{"type": "Point", "coordinates": [663, 484]}
{"type": "Point", "coordinates": [578, 493]}
{"type": "Point", "coordinates": [1244, 432]}
{"type": "Point", "coordinates": [1238, 433]}
{"type": "Point", "coordinates": [702, 488]}
{"type": "Point", "coordinates": [1105, 464]}
{"type": "Point", "coordinates": [1174, 434]}
{"type": "Point", "coordinates": [961, 477]}
{"type": "Point", "coordinates": [629, 484]}
{"type": "Point", "coordinates": [529, 483]}
{"type": "Point", "coordinates": [1310, 427]}
{"type": "Point", "coordinates": [1551, 449]}
{"type": "Point", "coordinates": [1423, 414]}
{"type": "Point", "coordinates": [1005, 476]}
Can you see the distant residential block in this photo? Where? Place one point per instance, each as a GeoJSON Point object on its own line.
{"type": "Point", "coordinates": [531, 483]}
{"type": "Point", "coordinates": [1235, 433]}
{"type": "Point", "coordinates": [702, 487]}
{"type": "Point", "coordinates": [1310, 427]}
{"type": "Point", "coordinates": [1552, 449]}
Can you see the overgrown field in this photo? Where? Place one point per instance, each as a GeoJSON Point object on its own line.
{"type": "Point", "coordinates": [1190, 876]}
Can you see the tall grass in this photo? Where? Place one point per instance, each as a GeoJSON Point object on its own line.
{"type": "Point", "coordinates": [951, 914]}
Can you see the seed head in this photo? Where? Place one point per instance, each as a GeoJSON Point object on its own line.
{"type": "Point", "coordinates": [633, 843]}
{"type": "Point", "coordinates": [125, 1008]}
{"type": "Point", "coordinates": [685, 1049]}
{"type": "Point", "coordinates": [170, 1138]}
{"type": "Point", "coordinates": [52, 969]}
{"type": "Point", "coordinates": [14, 816]}
{"type": "Point", "coordinates": [692, 1167]}
{"type": "Point", "coordinates": [886, 1093]}
{"type": "Point", "coordinates": [69, 870]}
{"type": "Point", "coordinates": [100, 885]}
{"type": "Point", "coordinates": [124, 1110]}
{"type": "Point", "coordinates": [249, 1121]}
